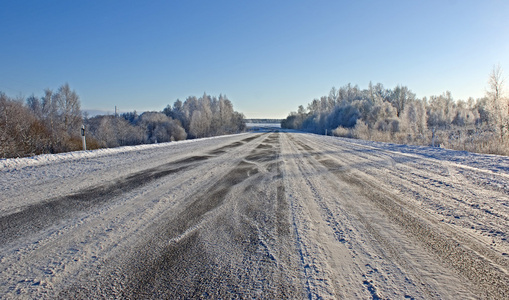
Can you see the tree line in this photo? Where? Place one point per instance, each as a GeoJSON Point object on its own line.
{"type": "Point", "coordinates": [397, 115]}
{"type": "Point", "coordinates": [194, 118]}
{"type": "Point", "coordinates": [51, 123]}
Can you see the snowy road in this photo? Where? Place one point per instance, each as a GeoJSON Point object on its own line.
{"type": "Point", "coordinates": [260, 215]}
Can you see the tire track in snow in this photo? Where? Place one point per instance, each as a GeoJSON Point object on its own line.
{"type": "Point", "coordinates": [469, 258]}
{"type": "Point", "coordinates": [315, 266]}
{"type": "Point", "coordinates": [452, 195]}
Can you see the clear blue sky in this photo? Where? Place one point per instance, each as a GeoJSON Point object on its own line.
{"type": "Point", "coordinates": [268, 57]}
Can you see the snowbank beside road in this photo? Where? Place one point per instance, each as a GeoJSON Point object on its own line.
{"type": "Point", "coordinates": [494, 163]}
{"type": "Point", "coordinates": [16, 163]}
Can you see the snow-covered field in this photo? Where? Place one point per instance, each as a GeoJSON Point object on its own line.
{"type": "Point", "coordinates": [257, 215]}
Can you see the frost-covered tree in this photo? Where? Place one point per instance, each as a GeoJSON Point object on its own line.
{"type": "Point", "coordinates": [68, 109]}
{"type": "Point", "coordinates": [161, 128]}
{"type": "Point", "coordinates": [207, 116]}
{"type": "Point", "coordinates": [198, 126]}
{"type": "Point", "coordinates": [497, 104]}
{"type": "Point", "coordinates": [21, 132]}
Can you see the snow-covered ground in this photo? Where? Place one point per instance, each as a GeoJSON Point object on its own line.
{"type": "Point", "coordinates": [261, 126]}
{"type": "Point", "coordinates": [256, 215]}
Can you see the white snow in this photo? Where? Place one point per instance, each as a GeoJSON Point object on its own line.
{"type": "Point", "coordinates": [367, 219]}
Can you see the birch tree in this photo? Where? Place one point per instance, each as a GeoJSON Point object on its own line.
{"type": "Point", "coordinates": [497, 102]}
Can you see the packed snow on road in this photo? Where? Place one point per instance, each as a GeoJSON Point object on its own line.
{"type": "Point", "coordinates": [267, 214]}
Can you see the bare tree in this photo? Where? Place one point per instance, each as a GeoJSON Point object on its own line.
{"type": "Point", "coordinates": [69, 111]}
{"type": "Point", "coordinates": [198, 125]}
{"type": "Point", "coordinates": [21, 133]}
{"type": "Point", "coordinates": [34, 104]}
{"type": "Point", "coordinates": [497, 102]}
{"type": "Point", "coordinates": [496, 83]}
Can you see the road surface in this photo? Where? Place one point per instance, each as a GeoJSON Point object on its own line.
{"type": "Point", "coordinates": [260, 215]}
